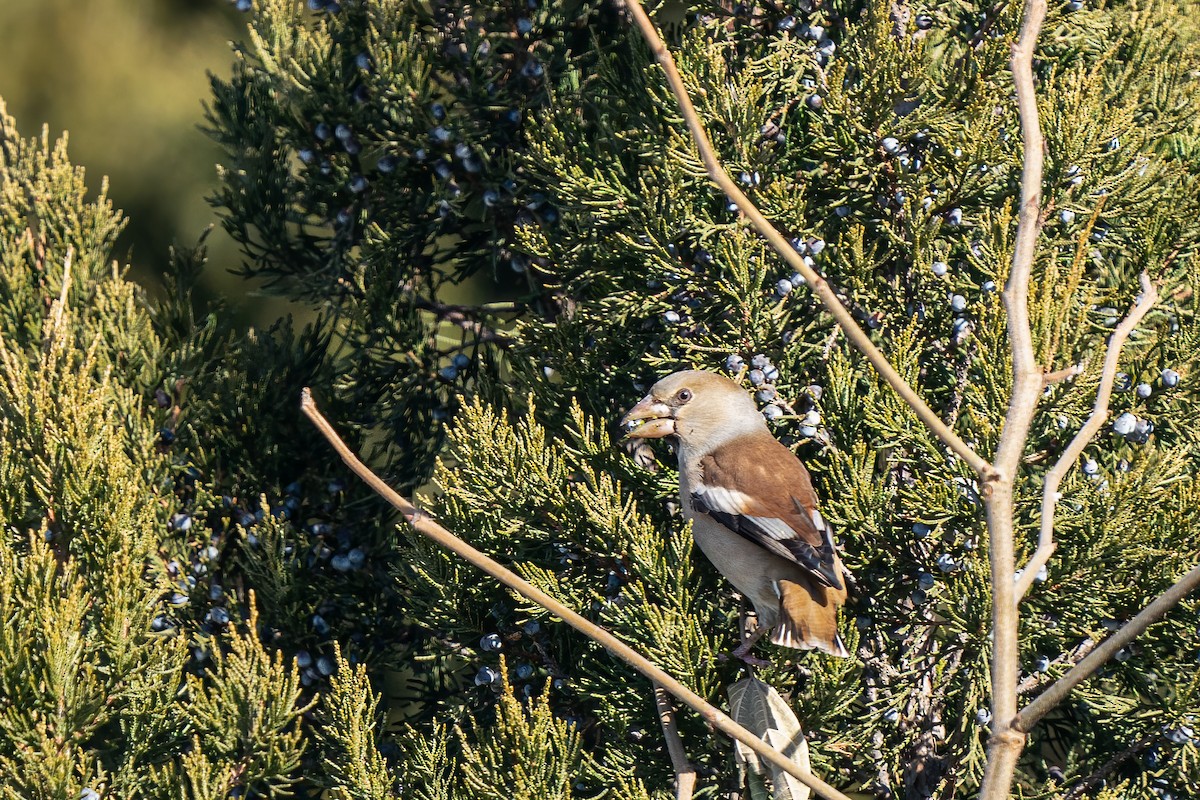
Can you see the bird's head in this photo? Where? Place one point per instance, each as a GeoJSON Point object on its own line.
{"type": "Point", "coordinates": [702, 409]}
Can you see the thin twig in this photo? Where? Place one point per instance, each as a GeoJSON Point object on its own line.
{"type": "Point", "coordinates": [37, 237]}
{"type": "Point", "coordinates": [685, 771]}
{"type": "Point", "coordinates": [65, 288]}
{"type": "Point", "coordinates": [829, 343]}
{"type": "Point", "coordinates": [1058, 691]}
{"type": "Point", "coordinates": [1050, 493]}
{"type": "Point", "coordinates": [990, 17]}
{"type": "Point", "coordinates": [1006, 742]}
{"type": "Point", "coordinates": [464, 318]}
{"type": "Point", "coordinates": [1094, 780]}
{"type": "Point", "coordinates": [1038, 680]}
{"type": "Point", "coordinates": [779, 243]}
{"type": "Point", "coordinates": [960, 381]}
{"type": "Point", "coordinates": [58, 307]}
{"type": "Point", "coordinates": [1064, 374]}
{"type": "Point", "coordinates": [425, 525]}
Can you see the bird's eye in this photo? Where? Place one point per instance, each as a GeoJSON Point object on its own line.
{"type": "Point", "coordinates": [684, 395]}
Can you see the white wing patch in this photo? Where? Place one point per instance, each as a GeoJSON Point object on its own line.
{"type": "Point", "coordinates": [724, 500]}
{"type": "Point", "coordinates": [727, 501]}
{"type": "Point", "coordinates": [773, 527]}
{"type": "Point", "coordinates": [731, 501]}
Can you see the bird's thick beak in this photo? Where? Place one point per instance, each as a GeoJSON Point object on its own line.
{"type": "Point", "coordinates": [649, 419]}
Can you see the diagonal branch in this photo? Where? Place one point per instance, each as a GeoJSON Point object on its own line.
{"type": "Point", "coordinates": [1050, 493]}
{"type": "Point", "coordinates": [425, 525]}
{"type": "Point", "coordinates": [685, 771]}
{"type": "Point", "coordinates": [779, 243]}
{"type": "Point", "coordinates": [1037, 681]}
{"type": "Point", "coordinates": [1058, 691]}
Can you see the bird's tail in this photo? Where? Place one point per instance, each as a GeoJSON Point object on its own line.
{"type": "Point", "coordinates": [808, 619]}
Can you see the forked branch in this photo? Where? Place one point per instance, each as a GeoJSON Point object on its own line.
{"type": "Point", "coordinates": [1050, 493]}
{"type": "Point", "coordinates": [425, 525]}
{"type": "Point", "coordinates": [1006, 742]}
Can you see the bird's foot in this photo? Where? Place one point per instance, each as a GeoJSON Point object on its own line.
{"type": "Point", "coordinates": [743, 655]}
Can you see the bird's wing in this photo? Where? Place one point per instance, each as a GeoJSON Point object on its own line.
{"type": "Point", "coordinates": [758, 489]}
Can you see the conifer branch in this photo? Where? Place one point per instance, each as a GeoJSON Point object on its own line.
{"type": "Point", "coordinates": [1050, 493]}
{"type": "Point", "coordinates": [1058, 691]}
{"type": "Point", "coordinates": [685, 771]}
{"type": "Point", "coordinates": [779, 243]}
{"type": "Point", "coordinates": [1007, 742]}
{"type": "Point", "coordinates": [425, 525]}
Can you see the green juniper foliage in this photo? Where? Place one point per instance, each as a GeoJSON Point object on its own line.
{"type": "Point", "coordinates": [528, 751]}
{"type": "Point", "coordinates": [199, 602]}
{"type": "Point", "coordinates": [100, 690]}
{"type": "Point", "coordinates": [126, 668]}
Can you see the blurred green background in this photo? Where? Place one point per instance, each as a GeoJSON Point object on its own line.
{"type": "Point", "coordinates": [127, 79]}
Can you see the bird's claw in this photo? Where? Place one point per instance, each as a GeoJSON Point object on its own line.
{"type": "Point", "coordinates": [743, 654]}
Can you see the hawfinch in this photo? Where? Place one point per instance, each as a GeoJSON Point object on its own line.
{"type": "Point", "coordinates": [752, 507]}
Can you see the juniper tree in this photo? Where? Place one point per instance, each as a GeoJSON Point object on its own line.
{"type": "Point", "coordinates": [126, 670]}
{"type": "Point", "coordinates": [883, 142]}
{"type": "Point", "coordinates": [382, 156]}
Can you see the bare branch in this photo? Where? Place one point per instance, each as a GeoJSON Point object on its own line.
{"type": "Point", "coordinates": [1092, 781]}
{"type": "Point", "coordinates": [685, 771]}
{"type": "Point", "coordinates": [1006, 742]}
{"type": "Point", "coordinates": [899, 12]}
{"type": "Point", "coordinates": [464, 317]}
{"type": "Point", "coordinates": [1058, 691]}
{"type": "Point", "coordinates": [1050, 493]}
{"type": "Point", "coordinates": [1093, 659]}
{"type": "Point", "coordinates": [59, 306]}
{"type": "Point", "coordinates": [985, 27]}
{"type": "Point", "coordinates": [1037, 680]}
{"type": "Point", "coordinates": [1016, 291]}
{"type": "Point", "coordinates": [425, 525]}
{"type": "Point", "coordinates": [779, 243]}
{"type": "Point", "coordinates": [1064, 374]}
{"type": "Point", "coordinates": [64, 291]}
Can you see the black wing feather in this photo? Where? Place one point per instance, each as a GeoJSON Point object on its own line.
{"type": "Point", "coordinates": [817, 560]}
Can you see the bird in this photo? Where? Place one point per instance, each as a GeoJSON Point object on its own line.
{"type": "Point", "coordinates": [752, 507]}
